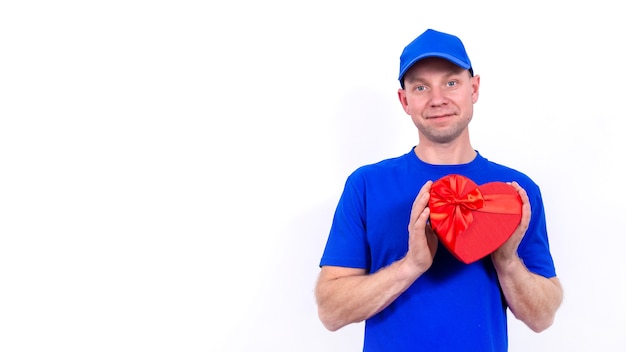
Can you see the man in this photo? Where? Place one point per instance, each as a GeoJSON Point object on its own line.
{"type": "Point", "coordinates": [383, 264]}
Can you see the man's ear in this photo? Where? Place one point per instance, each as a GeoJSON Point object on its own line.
{"type": "Point", "coordinates": [475, 88]}
{"type": "Point", "coordinates": [403, 100]}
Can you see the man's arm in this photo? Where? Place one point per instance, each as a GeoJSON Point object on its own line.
{"type": "Point", "coordinates": [348, 295]}
{"type": "Point", "coordinates": [532, 298]}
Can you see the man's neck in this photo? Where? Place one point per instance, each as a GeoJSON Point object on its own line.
{"type": "Point", "coordinates": [445, 154]}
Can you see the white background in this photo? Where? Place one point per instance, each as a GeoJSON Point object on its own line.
{"type": "Point", "coordinates": [169, 169]}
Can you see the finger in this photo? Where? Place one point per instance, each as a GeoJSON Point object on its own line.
{"type": "Point", "coordinates": [421, 201]}
{"type": "Point", "coordinates": [526, 211]}
{"type": "Point", "coordinates": [522, 192]}
{"type": "Point", "coordinates": [423, 195]}
{"type": "Point", "coordinates": [419, 227]}
{"type": "Point", "coordinates": [422, 220]}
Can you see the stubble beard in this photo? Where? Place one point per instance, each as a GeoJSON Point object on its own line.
{"type": "Point", "coordinates": [443, 135]}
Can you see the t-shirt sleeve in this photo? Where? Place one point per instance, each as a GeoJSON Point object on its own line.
{"type": "Point", "coordinates": [346, 245]}
{"type": "Point", "coordinates": [534, 249]}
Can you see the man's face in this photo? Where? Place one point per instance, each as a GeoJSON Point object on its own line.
{"type": "Point", "coordinates": [439, 96]}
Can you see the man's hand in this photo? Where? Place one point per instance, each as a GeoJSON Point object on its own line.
{"type": "Point", "coordinates": [508, 251]}
{"type": "Point", "coordinates": [422, 239]}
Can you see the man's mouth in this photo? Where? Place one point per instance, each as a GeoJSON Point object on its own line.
{"type": "Point", "coordinates": [438, 116]}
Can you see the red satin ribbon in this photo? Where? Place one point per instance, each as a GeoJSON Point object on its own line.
{"type": "Point", "coordinates": [455, 197]}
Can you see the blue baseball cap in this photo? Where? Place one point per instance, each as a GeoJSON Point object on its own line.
{"type": "Point", "coordinates": [432, 43]}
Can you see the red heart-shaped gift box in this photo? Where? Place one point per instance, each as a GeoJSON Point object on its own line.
{"type": "Point", "coordinates": [473, 221]}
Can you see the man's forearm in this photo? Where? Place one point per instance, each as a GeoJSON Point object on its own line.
{"type": "Point", "coordinates": [532, 298]}
{"type": "Point", "coordinates": [344, 299]}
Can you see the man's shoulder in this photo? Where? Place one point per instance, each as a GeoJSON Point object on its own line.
{"type": "Point", "coordinates": [505, 173]}
{"type": "Point", "coordinates": [382, 166]}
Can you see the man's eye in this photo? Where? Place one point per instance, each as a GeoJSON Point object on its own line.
{"type": "Point", "coordinates": [420, 88]}
{"type": "Point", "coordinates": [451, 84]}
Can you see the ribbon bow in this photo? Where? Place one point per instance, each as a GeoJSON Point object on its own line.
{"type": "Point", "coordinates": [453, 199]}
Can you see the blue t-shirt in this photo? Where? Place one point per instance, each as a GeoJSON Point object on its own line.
{"type": "Point", "coordinates": [453, 306]}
